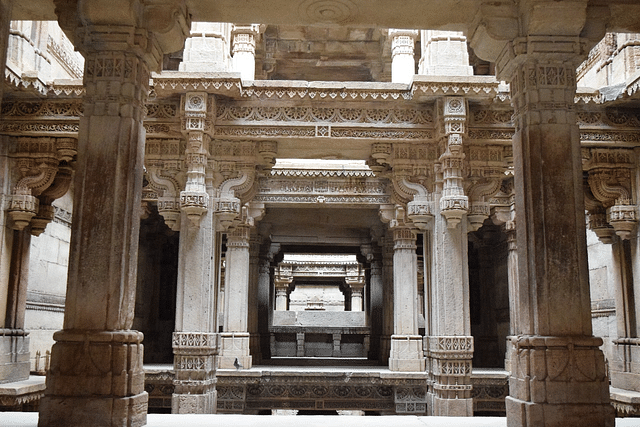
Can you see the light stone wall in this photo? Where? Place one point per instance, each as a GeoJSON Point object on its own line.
{"type": "Point", "coordinates": [602, 282]}
{"type": "Point", "coordinates": [48, 264]}
{"type": "Point", "coordinates": [40, 49]}
{"type": "Point", "coordinates": [329, 297]}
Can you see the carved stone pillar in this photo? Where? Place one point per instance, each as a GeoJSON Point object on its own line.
{"type": "Point", "coordinates": [254, 275]}
{"type": "Point", "coordinates": [403, 66]}
{"type": "Point", "coordinates": [449, 345]}
{"type": "Point", "coordinates": [512, 275]}
{"type": "Point", "coordinates": [14, 340]}
{"type": "Point", "coordinates": [264, 306]}
{"type": "Point", "coordinates": [387, 289]}
{"type": "Point", "coordinates": [282, 281]}
{"type": "Point", "coordinates": [234, 345]}
{"type": "Point", "coordinates": [406, 345]}
{"type": "Point", "coordinates": [194, 342]}
{"type": "Point", "coordinates": [376, 285]}
{"type": "Point", "coordinates": [96, 376]}
{"type": "Point", "coordinates": [557, 369]}
{"type": "Point", "coordinates": [244, 50]}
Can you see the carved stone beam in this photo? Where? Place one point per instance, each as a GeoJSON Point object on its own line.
{"type": "Point", "coordinates": [167, 187]}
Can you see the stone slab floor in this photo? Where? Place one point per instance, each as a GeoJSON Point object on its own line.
{"type": "Point", "coordinates": [30, 419]}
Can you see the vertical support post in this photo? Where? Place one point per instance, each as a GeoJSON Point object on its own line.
{"type": "Point", "coordinates": [96, 375]}
{"type": "Point", "coordinates": [376, 311]}
{"type": "Point", "coordinates": [337, 338]}
{"type": "Point", "coordinates": [387, 307]}
{"type": "Point", "coordinates": [403, 66]}
{"type": "Point", "coordinates": [254, 277]}
{"type": "Point", "coordinates": [557, 369]}
{"type": "Point", "coordinates": [194, 341]}
{"type": "Point", "coordinates": [234, 348]}
{"type": "Point", "coordinates": [406, 345]}
{"type": "Point", "coordinates": [14, 340]}
{"type": "Point", "coordinates": [244, 50]}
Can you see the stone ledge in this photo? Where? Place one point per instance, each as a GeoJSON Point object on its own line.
{"type": "Point", "coordinates": [21, 392]}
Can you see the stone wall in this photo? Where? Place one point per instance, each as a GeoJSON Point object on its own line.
{"type": "Point", "coordinates": [602, 282]}
{"type": "Point", "coordinates": [49, 260]}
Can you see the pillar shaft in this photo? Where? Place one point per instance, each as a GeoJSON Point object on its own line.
{"type": "Point", "coordinates": [96, 375]}
{"type": "Point", "coordinates": [403, 65]}
{"type": "Point", "coordinates": [557, 369]}
{"type": "Point", "coordinates": [406, 345]}
{"type": "Point", "coordinates": [449, 343]}
{"type": "Point", "coordinates": [254, 275]}
{"type": "Point", "coordinates": [387, 306]}
{"type": "Point", "coordinates": [194, 339]}
{"type": "Point", "coordinates": [234, 351]}
{"type": "Point", "coordinates": [14, 341]}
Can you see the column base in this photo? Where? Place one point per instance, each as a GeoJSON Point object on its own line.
{"type": "Point", "coordinates": [194, 403]}
{"type": "Point", "coordinates": [558, 381]}
{"type": "Point", "coordinates": [234, 351]}
{"type": "Point", "coordinates": [96, 379]}
{"type": "Point", "coordinates": [14, 355]}
{"type": "Point", "coordinates": [450, 372]}
{"type": "Point", "coordinates": [406, 354]}
{"type": "Point", "coordinates": [194, 367]}
{"type": "Point", "coordinates": [528, 414]}
{"type": "Point", "coordinates": [451, 407]}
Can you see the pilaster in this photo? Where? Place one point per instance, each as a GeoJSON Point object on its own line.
{"type": "Point", "coordinates": [406, 344]}
{"type": "Point", "coordinates": [96, 375]}
{"type": "Point", "coordinates": [557, 369]}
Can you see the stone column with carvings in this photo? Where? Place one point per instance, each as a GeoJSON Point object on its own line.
{"type": "Point", "coordinates": [449, 345]}
{"type": "Point", "coordinates": [406, 344]}
{"type": "Point", "coordinates": [96, 375]}
{"type": "Point", "coordinates": [376, 285]}
{"type": "Point", "coordinates": [234, 340]}
{"type": "Point", "coordinates": [387, 289]}
{"type": "Point", "coordinates": [254, 275]}
{"type": "Point", "coordinates": [557, 368]}
{"type": "Point", "coordinates": [444, 53]}
{"type": "Point", "coordinates": [403, 66]}
{"type": "Point", "coordinates": [264, 306]}
{"type": "Point", "coordinates": [244, 50]}
{"type": "Point", "coordinates": [194, 339]}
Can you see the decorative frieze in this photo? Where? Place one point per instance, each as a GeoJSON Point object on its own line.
{"type": "Point", "coordinates": [236, 112]}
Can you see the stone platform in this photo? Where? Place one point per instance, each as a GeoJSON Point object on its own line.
{"type": "Point", "coordinates": [327, 388]}
{"type": "Point", "coordinates": [30, 419]}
